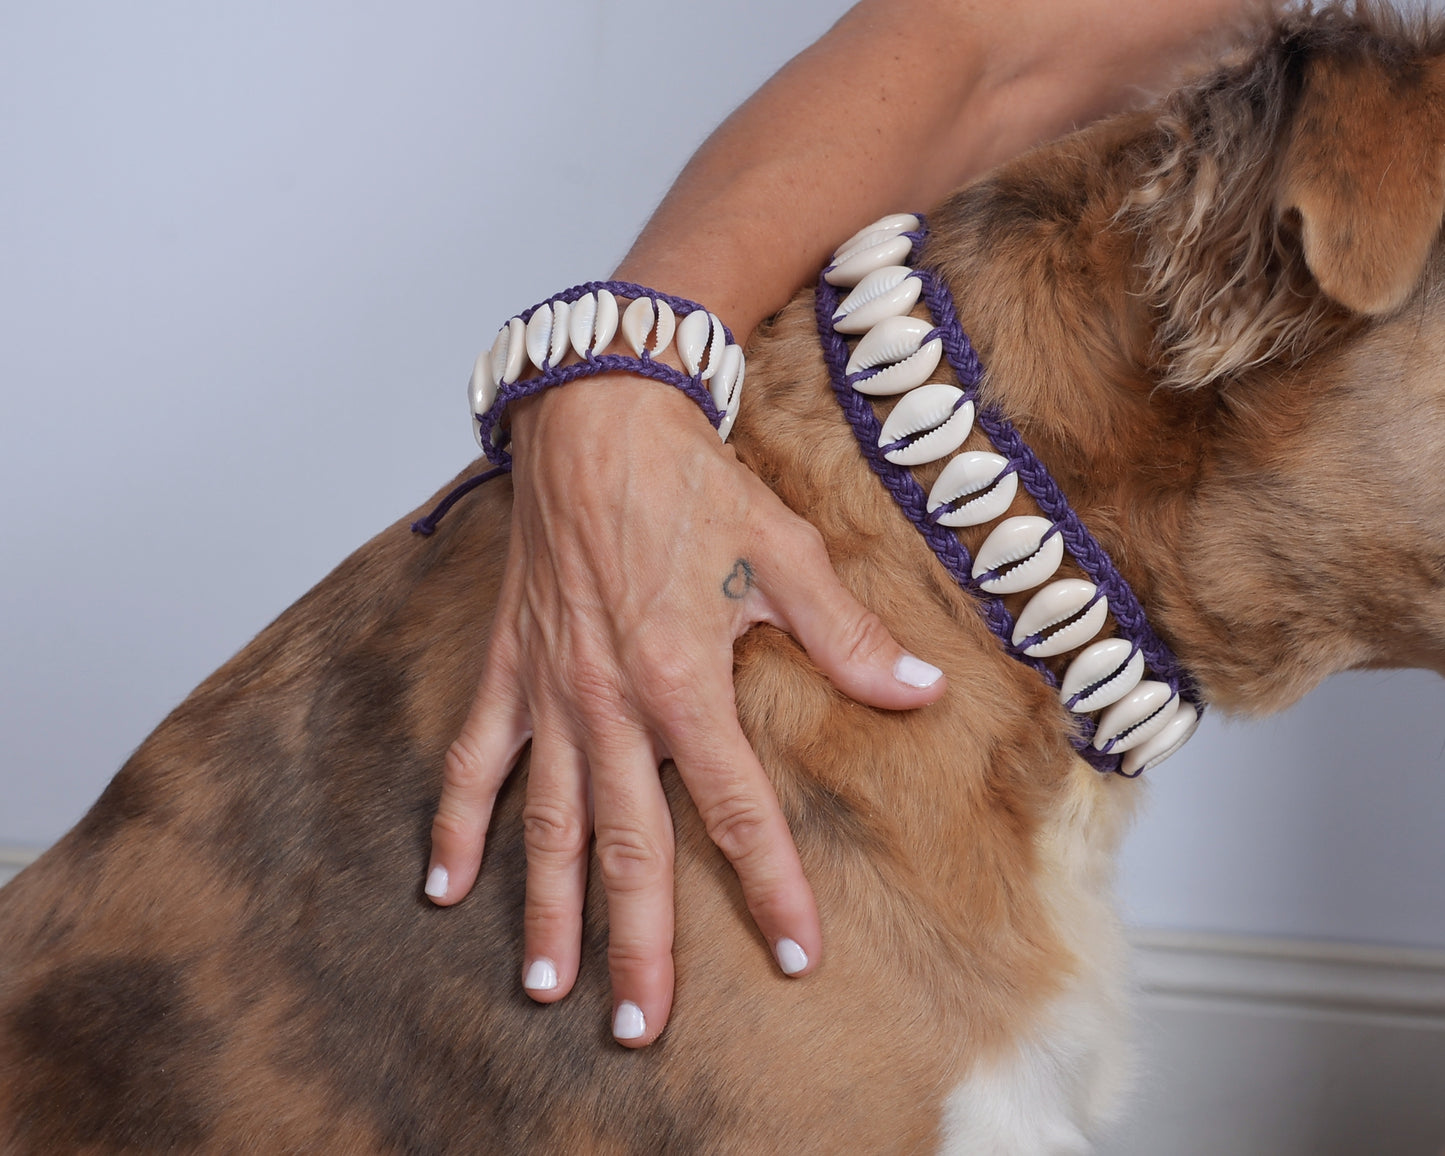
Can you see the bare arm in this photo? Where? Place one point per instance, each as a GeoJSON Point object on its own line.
{"type": "Point", "coordinates": [632, 572]}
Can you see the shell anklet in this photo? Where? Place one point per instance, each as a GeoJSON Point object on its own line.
{"type": "Point", "coordinates": [1127, 723]}
{"type": "Point", "coordinates": [568, 336]}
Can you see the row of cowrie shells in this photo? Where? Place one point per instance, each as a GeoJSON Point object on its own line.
{"type": "Point", "coordinates": [589, 324]}
{"type": "Point", "coordinates": [1142, 719]}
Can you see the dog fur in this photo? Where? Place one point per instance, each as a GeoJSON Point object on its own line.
{"type": "Point", "coordinates": [1190, 312]}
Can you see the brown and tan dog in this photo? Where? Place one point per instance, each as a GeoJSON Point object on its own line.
{"type": "Point", "coordinates": [1188, 311]}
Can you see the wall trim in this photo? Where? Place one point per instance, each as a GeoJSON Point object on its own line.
{"type": "Point", "coordinates": [1292, 975]}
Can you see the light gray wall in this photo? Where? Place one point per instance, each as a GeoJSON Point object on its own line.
{"type": "Point", "coordinates": [246, 258]}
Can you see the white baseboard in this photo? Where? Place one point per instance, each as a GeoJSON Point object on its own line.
{"type": "Point", "coordinates": [1292, 975]}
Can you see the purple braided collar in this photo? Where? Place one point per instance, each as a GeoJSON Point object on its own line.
{"type": "Point", "coordinates": [1036, 480]}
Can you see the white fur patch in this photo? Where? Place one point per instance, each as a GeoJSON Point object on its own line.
{"type": "Point", "coordinates": [1066, 1074]}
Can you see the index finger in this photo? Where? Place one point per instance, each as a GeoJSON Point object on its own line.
{"type": "Point", "coordinates": [738, 806]}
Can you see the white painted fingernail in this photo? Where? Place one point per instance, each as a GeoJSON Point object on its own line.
{"type": "Point", "coordinates": [436, 882]}
{"type": "Point", "coordinates": [791, 957]}
{"type": "Point", "coordinates": [915, 672]}
{"type": "Point", "coordinates": [628, 1022]}
{"type": "Point", "coordinates": [541, 976]}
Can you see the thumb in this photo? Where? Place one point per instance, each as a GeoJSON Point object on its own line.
{"type": "Point", "coordinates": [846, 640]}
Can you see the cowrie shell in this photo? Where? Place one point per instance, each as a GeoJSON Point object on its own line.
{"type": "Point", "coordinates": [539, 336]}
{"type": "Point", "coordinates": [889, 226]}
{"type": "Point", "coordinates": [973, 473]}
{"type": "Point", "coordinates": [481, 390]}
{"type": "Point", "coordinates": [897, 344]}
{"type": "Point", "coordinates": [887, 292]}
{"type": "Point", "coordinates": [593, 323]}
{"type": "Point", "coordinates": [700, 334]}
{"type": "Point", "coordinates": [932, 420]}
{"type": "Point", "coordinates": [1136, 718]}
{"type": "Point", "coordinates": [1174, 734]}
{"type": "Point", "coordinates": [1056, 603]}
{"type": "Point", "coordinates": [509, 351]}
{"type": "Point", "coordinates": [557, 348]}
{"type": "Point", "coordinates": [727, 382]}
{"type": "Point", "coordinates": [882, 249]}
{"type": "Point", "coordinates": [891, 340]}
{"type": "Point", "coordinates": [639, 321]}
{"type": "Point", "coordinates": [1023, 545]}
{"type": "Point", "coordinates": [725, 427]}
{"type": "Point", "coordinates": [1112, 668]}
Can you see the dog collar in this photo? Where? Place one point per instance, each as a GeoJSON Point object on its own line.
{"type": "Point", "coordinates": [1127, 722]}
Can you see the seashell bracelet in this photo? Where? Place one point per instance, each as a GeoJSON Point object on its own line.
{"type": "Point", "coordinates": [532, 351]}
{"type": "Point", "coordinates": [1127, 722]}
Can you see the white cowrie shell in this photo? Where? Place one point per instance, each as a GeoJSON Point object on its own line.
{"type": "Point", "coordinates": [1136, 718]}
{"type": "Point", "coordinates": [1056, 603]}
{"type": "Point", "coordinates": [1174, 734]}
{"type": "Point", "coordinates": [638, 323]}
{"type": "Point", "coordinates": [604, 329]}
{"type": "Point", "coordinates": [516, 350]}
{"type": "Point", "coordinates": [557, 350]}
{"type": "Point", "coordinates": [932, 411]}
{"type": "Point", "coordinates": [509, 351]}
{"type": "Point", "coordinates": [905, 375]}
{"type": "Point", "coordinates": [716, 343]}
{"type": "Point", "coordinates": [1112, 667]}
{"type": "Point", "coordinates": [887, 292]}
{"type": "Point", "coordinates": [481, 390]}
{"type": "Point", "coordinates": [973, 473]}
{"type": "Point", "coordinates": [698, 334]}
{"type": "Point", "coordinates": [593, 323]}
{"type": "Point", "coordinates": [579, 324]}
{"type": "Point", "coordinates": [891, 340]}
{"type": "Point", "coordinates": [857, 263]}
{"type": "Point", "coordinates": [727, 382]}
{"type": "Point", "coordinates": [895, 342]}
{"type": "Point", "coordinates": [539, 336]}
{"type": "Point", "coordinates": [1023, 544]}
{"type": "Point", "coordinates": [889, 226]}
{"type": "Point", "coordinates": [731, 414]}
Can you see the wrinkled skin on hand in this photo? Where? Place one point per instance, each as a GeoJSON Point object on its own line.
{"type": "Point", "coordinates": [640, 550]}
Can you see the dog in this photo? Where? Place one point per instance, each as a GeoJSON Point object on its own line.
{"type": "Point", "coordinates": [1188, 311]}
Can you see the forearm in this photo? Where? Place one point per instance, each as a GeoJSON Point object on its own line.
{"type": "Point", "coordinates": [901, 102]}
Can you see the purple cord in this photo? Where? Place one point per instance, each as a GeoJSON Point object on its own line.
{"type": "Point", "coordinates": [426, 526]}
{"type": "Point", "coordinates": [594, 364]}
{"type": "Point", "coordinates": [1037, 482]}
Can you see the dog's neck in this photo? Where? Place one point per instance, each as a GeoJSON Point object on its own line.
{"type": "Point", "coordinates": [1182, 485]}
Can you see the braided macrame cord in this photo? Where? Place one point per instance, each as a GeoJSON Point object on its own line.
{"type": "Point", "coordinates": [1087, 692]}
{"type": "Point", "coordinates": [1035, 478]}
{"type": "Point", "coordinates": [493, 436]}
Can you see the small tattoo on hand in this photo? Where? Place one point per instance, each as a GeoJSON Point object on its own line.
{"type": "Point", "coordinates": [739, 581]}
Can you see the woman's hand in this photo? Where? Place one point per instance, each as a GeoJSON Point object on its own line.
{"type": "Point", "coordinates": [640, 550]}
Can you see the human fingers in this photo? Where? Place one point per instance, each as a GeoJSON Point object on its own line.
{"type": "Point", "coordinates": [557, 829]}
{"type": "Point", "coordinates": [740, 810]}
{"type": "Point", "coordinates": [635, 860]}
{"type": "Point", "coordinates": [477, 763]}
{"type": "Point", "coordinates": [799, 591]}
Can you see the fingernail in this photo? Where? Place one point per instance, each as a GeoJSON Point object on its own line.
{"type": "Point", "coordinates": [628, 1022]}
{"type": "Point", "coordinates": [791, 957]}
{"type": "Point", "coordinates": [436, 882]}
{"type": "Point", "coordinates": [541, 976]}
{"type": "Point", "coordinates": [915, 672]}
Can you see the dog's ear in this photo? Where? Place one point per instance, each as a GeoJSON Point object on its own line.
{"type": "Point", "coordinates": [1364, 168]}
